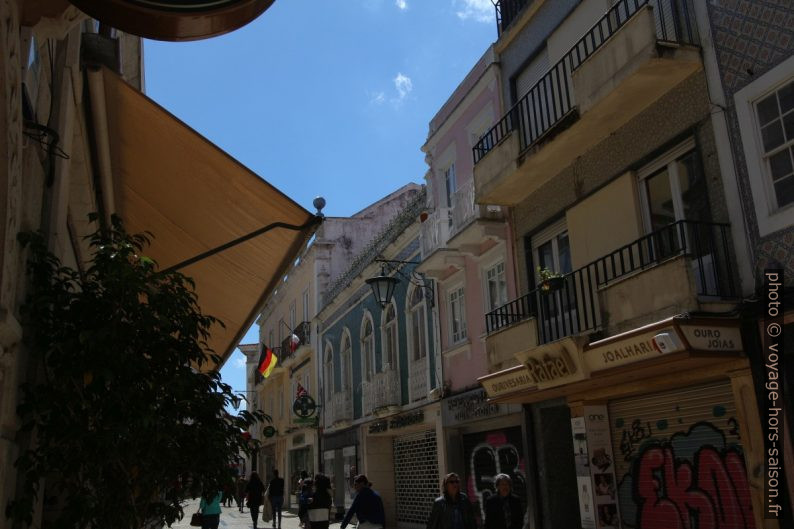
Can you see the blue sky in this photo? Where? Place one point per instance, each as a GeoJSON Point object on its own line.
{"type": "Point", "coordinates": [324, 97]}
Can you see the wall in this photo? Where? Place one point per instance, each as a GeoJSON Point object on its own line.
{"type": "Point", "coordinates": [750, 39]}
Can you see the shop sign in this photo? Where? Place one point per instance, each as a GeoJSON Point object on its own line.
{"type": "Point", "coordinates": [549, 368]}
{"type": "Point", "coordinates": [379, 426]}
{"type": "Point", "coordinates": [508, 381]}
{"type": "Point", "coordinates": [471, 406]}
{"type": "Point", "coordinates": [713, 337]}
{"type": "Point", "coordinates": [636, 348]}
{"type": "Point", "coordinates": [401, 421]}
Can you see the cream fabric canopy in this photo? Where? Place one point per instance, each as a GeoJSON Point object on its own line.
{"type": "Point", "coordinates": [192, 196]}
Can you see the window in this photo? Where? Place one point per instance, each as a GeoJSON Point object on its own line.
{"type": "Point", "coordinates": [292, 317]}
{"type": "Point", "coordinates": [329, 373]}
{"type": "Point", "coordinates": [306, 313]}
{"type": "Point", "coordinates": [345, 370]}
{"type": "Point", "coordinates": [496, 286]}
{"type": "Point", "coordinates": [551, 249]}
{"type": "Point", "coordinates": [764, 112]}
{"type": "Point", "coordinates": [449, 183]}
{"type": "Point", "coordinates": [418, 326]}
{"type": "Point", "coordinates": [775, 114]}
{"type": "Point", "coordinates": [673, 189]}
{"type": "Point", "coordinates": [367, 349]}
{"type": "Point", "coordinates": [270, 337]}
{"type": "Point", "coordinates": [457, 315]}
{"type": "Point", "coordinates": [389, 338]}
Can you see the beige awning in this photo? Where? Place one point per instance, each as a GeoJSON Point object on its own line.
{"type": "Point", "coordinates": [171, 181]}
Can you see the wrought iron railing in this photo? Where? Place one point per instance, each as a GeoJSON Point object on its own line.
{"type": "Point", "coordinates": [550, 100]}
{"type": "Point", "coordinates": [381, 391]}
{"type": "Point", "coordinates": [507, 11]}
{"type": "Point", "coordinates": [303, 332]}
{"type": "Point", "coordinates": [434, 231]}
{"type": "Point", "coordinates": [341, 407]}
{"type": "Point", "coordinates": [572, 306]}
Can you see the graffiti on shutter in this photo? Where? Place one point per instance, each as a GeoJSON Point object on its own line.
{"type": "Point", "coordinates": [679, 460]}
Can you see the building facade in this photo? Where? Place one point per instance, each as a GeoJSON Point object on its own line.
{"type": "Point", "coordinates": [290, 313]}
{"type": "Point", "coordinates": [381, 376]}
{"type": "Point", "coordinates": [628, 351]}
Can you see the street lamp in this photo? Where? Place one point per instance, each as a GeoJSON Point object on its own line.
{"type": "Point", "coordinates": [383, 284]}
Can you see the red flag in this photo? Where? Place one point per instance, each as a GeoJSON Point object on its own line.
{"type": "Point", "coordinates": [301, 391]}
{"type": "Point", "coordinates": [294, 342]}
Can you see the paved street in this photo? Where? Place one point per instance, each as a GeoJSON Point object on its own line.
{"type": "Point", "coordinates": [231, 518]}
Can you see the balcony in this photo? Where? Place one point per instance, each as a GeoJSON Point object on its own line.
{"type": "Point", "coordinates": [507, 12]}
{"type": "Point", "coordinates": [381, 395]}
{"type": "Point", "coordinates": [341, 412]}
{"type": "Point", "coordinates": [473, 224]}
{"type": "Point", "coordinates": [635, 54]}
{"type": "Point", "coordinates": [683, 267]}
{"type": "Point", "coordinates": [303, 332]}
{"type": "Point", "coordinates": [437, 258]}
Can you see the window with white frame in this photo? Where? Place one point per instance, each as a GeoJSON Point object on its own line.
{"type": "Point", "coordinates": [293, 316]}
{"type": "Point", "coordinates": [765, 112]}
{"type": "Point", "coordinates": [345, 363]}
{"type": "Point", "coordinates": [775, 115]}
{"type": "Point", "coordinates": [270, 337]}
{"type": "Point", "coordinates": [551, 249]}
{"type": "Point", "coordinates": [496, 286]}
{"type": "Point", "coordinates": [418, 324]}
{"type": "Point", "coordinates": [389, 341]}
{"type": "Point", "coordinates": [367, 349]}
{"type": "Point", "coordinates": [672, 188]}
{"type": "Point", "coordinates": [457, 315]}
{"type": "Point", "coordinates": [328, 370]}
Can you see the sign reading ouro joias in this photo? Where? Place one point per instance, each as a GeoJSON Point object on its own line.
{"type": "Point", "coordinates": [678, 336]}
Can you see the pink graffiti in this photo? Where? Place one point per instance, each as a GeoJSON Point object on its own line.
{"type": "Point", "coordinates": [496, 439]}
{"type": "Point", "coordinates": [712, 489]}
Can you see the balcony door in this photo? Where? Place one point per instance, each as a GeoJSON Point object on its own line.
{"type": "Point", "coordinates": [556, 308]}
{"type": "Point", "coordinates": [676, 214]}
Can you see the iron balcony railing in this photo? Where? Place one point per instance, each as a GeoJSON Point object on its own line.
{"type": "Point", "coordinates": [507, 11]}
{"type": "Point", "coordinates": [573, 308]}
{"type": "Point", "coordinates": [550, 100]}
{"type": "Point", "coordinates": [303, 332]}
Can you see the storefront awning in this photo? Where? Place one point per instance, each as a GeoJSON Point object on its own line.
{"type": "Point", "coordinates": [192, 196]}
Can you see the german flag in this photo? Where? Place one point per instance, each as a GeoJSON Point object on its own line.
{"type": "Point", "coordinates": [267, 362]}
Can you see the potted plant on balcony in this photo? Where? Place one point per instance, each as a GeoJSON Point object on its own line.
{"type": "Point", "coordinates": [549, 281]}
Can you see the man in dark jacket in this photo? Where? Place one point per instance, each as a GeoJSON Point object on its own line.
{"type": "Point", "coordinates": [452, 510]}
{"type": "Point", "coordinates": [503, 510]}
{"type": "Point", "coordinates": [367, 506]}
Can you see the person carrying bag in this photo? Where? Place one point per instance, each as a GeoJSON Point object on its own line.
{"type": "Point", "coordinates": [320, 503]}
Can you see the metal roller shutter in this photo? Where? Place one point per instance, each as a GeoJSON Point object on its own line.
{"type": "Point", "coordinates": [679, 460]}
{"type": "Point", "coordinates": [415, 477]}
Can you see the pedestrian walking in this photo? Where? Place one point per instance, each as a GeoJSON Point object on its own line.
{"type": "Point", "coordinates": [367, 506]}
{"type": "Point", "coordinates": [503, 510]}
{"type": "Point", "coordinates": [276, 497]}
{"type": "Point", "coordinates": [228, 492]}
{"type": "Point", "coordinates": [319, 504]}
{"type": "Point", "coordinates": [241, 484]}
{"type": "Point", "coordinates": [303, 501]}
{"type": "Point", "coordinates": [452, 509]}
{"type": "Point", "coordinates": [210, 508]}
{"type": "Point", "coordinates": [255, 492]}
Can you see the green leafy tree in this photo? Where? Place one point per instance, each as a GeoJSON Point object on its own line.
{"type": "Point", "coordinates": [123, 422]}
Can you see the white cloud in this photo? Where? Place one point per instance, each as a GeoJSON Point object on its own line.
{"type": "Point", "coordinates": [403, 85]}
{"type": "Point", "coordinates": [377, 98]}
{"type": "Point", "coordinates": [479, 10]}
{"type": "Point", "coordinates": [239, 362]}
{"type": "Point", "coordinates": [401, 4]}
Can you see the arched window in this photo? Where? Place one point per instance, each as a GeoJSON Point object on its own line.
{"type": "Point", "coordinates": [367, 348]}
{"type": "Point", "coordinates": [346, 370]}
{"type": "Point", "coordinates": [329, 372]}
{"type": "Point", "coordinates": [417, 317]}
{"type": "Point", "coordinates": [389, 356]}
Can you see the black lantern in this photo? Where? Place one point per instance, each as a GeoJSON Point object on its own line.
{"type": "Point", "coordinates": [383, 287]}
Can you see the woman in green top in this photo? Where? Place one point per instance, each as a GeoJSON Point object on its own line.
{"type": "Point", "coordinates": [210, 508]}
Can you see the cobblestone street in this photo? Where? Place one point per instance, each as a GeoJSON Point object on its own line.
{"type": "Point", "coordinates": [232, 518]}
